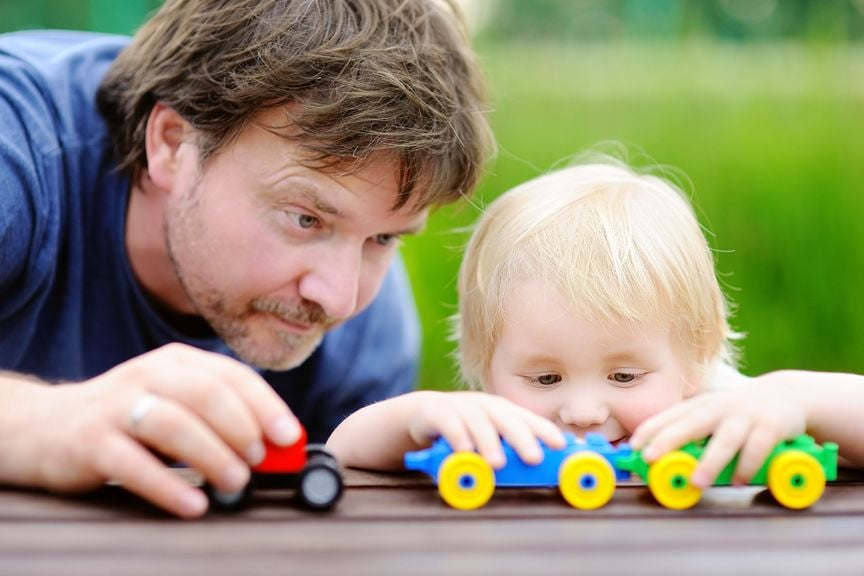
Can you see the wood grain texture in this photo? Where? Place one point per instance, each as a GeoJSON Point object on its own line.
{"type": "Point", "coordinates": [397, 525]}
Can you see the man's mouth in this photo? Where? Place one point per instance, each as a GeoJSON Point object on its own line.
{"type": "Point", "coordinates": [294, 326]}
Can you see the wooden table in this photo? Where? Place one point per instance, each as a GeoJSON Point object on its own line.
{"type": "Point", "coordinates": [397, 525]}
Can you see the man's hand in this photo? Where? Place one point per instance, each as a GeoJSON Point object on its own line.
{"type": "Point", "coordinates": [751, 419]}
{"type": "Point", "coordinates": [200, 408]}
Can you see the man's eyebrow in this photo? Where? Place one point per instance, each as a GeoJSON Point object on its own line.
{"type": "Point", "coordinates": [416, 229]}
{"type": "Point", "coordinates": [317, 201]}
{"type": "Point", "coordinates": [309, 193]}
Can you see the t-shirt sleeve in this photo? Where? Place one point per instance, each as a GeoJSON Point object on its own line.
{"type": "Point", "coordinates": [372, 357]}
{"type": "Point", "coordinates": [17, 181]}
{"type": "Point", "coordinates": [28, 208]}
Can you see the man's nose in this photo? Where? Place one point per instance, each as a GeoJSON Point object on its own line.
{"type": "Point", "coordinates": [333, 282]}
{"type": "Point", "coordinates": [584, 410]}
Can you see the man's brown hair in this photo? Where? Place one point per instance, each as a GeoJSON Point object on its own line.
{"type": "Point", "coordinates": [356, 78]}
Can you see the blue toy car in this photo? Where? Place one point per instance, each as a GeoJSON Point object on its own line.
{"type": "Point", "coordinates": [586, 471]}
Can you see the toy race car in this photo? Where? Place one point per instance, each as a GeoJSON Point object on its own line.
{"type": "Point", "coordinates": [310, 469]}
{"type": "Point", "coordinates": [795, 473]}
{"type": "Point", "coordinates": [585, 471]}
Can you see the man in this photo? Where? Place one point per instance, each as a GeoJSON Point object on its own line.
{"type": "Point", "coordinates": [232, 185]}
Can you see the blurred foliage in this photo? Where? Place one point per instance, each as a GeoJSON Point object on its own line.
{"type": "Point", "coordinates": [115, 16]}
{"type": "Point", "coordinates": [737, 20]}
{"type": "Point", "coordinates": [774, 162]}
{"type": "Point", "coordinates": [755, 101]}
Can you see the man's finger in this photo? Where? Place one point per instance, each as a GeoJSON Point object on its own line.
{"type": "Point", "coordinates": [172, 430]}
{"type": "Point", "coordinates": [123, 460]}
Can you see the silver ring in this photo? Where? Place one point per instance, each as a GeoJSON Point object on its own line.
{"type": "Point", "coordinates": [141, 408]}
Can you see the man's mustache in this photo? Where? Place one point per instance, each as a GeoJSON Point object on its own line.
{"type": "Point", "coordinates": [307, 313]}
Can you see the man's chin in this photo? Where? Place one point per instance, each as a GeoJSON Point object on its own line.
{"type": "Point", "coordinates": [277, 356]}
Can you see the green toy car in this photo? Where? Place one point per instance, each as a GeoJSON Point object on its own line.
{"type": "Point", "coordinates": [795, 473]}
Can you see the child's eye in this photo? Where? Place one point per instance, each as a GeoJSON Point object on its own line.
{"type": "Point", "coordinates": [625, 378]}
{"type": "Point", "coordinates": [545, 379]}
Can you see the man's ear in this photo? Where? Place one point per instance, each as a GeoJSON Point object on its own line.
{"type": "Point", "coordinates": [166, 131]}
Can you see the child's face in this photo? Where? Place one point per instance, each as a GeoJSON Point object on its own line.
{"type": "Point", "coordinates": [581, 376]}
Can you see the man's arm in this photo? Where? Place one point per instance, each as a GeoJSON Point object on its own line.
{"type": "Point", "coordinates": [201, 408]}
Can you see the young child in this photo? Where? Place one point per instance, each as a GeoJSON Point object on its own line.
{"type": "Point", "coordinates": [589, 302]}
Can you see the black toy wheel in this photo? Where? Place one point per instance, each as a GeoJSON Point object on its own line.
{"type": "Point", "coordinates": [316, 451]}
{"type": "Point", "coordinates": [228, 501]}
{"type": "Point", "coordinates": [320, 483]}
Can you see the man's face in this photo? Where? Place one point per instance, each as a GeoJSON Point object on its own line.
{"type": "Point", "coordinates": [272, 253]}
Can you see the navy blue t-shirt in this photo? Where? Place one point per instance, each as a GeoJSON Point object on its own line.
{"type": "Point", "coordinates": [70, 306]}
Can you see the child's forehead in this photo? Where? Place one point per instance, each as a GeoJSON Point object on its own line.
{"type": "Point", "coordinates": [537, 297]}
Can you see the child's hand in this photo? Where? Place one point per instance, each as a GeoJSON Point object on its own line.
{"type": "Point", "coordinates": [469, 420]}
{"type": "Point", "coordinates": [750, 419]}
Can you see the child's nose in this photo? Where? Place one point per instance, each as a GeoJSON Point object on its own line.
{"type": "Point", "coordinates": [584, 411]}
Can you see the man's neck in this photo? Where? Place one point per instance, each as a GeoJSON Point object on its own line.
{"type": "Point", "coordinates": [147, 247]}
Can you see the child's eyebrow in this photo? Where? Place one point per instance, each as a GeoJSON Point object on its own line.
{"type": "Point", "coordinates": [627, 356]}
{"type": "Point", "coordinates": [540, 362]}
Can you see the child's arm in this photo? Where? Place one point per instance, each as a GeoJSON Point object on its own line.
{"type": "Point", "coordinates": [376, 437]}
{"type": "Point", "coordinates": [753, 417]}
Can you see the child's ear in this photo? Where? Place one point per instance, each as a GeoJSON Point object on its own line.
{"type": "Point", "coordinates": [166, 131]}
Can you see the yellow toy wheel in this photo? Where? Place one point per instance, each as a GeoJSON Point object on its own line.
{"type": "Point", "coordinates": [466, 481]}
{"type": "Point", "coordinates": [586, 480]}
{"type": "Point", "coordinates": [795, 479]}
{"type": "Point", "coordinates": [669, 481]}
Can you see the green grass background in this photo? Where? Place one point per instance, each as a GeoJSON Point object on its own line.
{"type": "Point", "coordinates": [768, 133]}
{"type": "Point", "coordinates": [769, 136]}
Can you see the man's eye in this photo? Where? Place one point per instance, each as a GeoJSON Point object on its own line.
{"type": "Point", "coordinates": [306, 221]}
{"type": "Point", "coordinates": [385, 239]}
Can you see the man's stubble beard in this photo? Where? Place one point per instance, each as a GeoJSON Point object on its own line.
{"type": "Point", "coordinates": [232, 325]}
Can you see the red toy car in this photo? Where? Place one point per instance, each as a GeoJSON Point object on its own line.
{"type": "Point", "coordinates": [309, 469]}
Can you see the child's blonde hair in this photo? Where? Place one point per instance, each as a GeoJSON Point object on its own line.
{"type": "Point", "coordinates": [619, 246]}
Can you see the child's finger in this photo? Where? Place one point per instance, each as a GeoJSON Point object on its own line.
{"type": "Point", "coordinates": [690, 426]}
{"type": "Point", "coordinates": [519, 434]}
{"type": "Point", "coordinates": [543, 429]}
{"type": "Point", "coordinates": [547, 431]}
{"type": "Point", "coordinates": [648, 429]}
{"type": "Point", "coordinates": [725, 443]}
{"type": "Point", "coordinates": [756, 450]}
{"type": "Point", "coordinates": [448, 423]}
{"type": "Point", "coordinates": [484, 434]}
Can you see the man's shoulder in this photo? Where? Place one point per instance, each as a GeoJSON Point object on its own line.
{"type": "Point", "coordinates": [49, 79]}
{"type": "Point", "coordinates": [40, 47]}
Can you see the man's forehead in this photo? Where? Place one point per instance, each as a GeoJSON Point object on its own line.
{"type": "Point", "coordinates": [281, 152]}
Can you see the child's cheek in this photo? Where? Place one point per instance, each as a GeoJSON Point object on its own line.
{"type": "Point", "coordinates": [640, 411]}
{"type": "Point", "coordinates": [536, 403]}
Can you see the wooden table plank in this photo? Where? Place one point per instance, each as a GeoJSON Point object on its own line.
{"type": "Point", "coordinates": [371, 496]}
{"type": "Point", "coordinates": [501, 547]}
{"type": "Point", "coordinates": [396, 524]}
